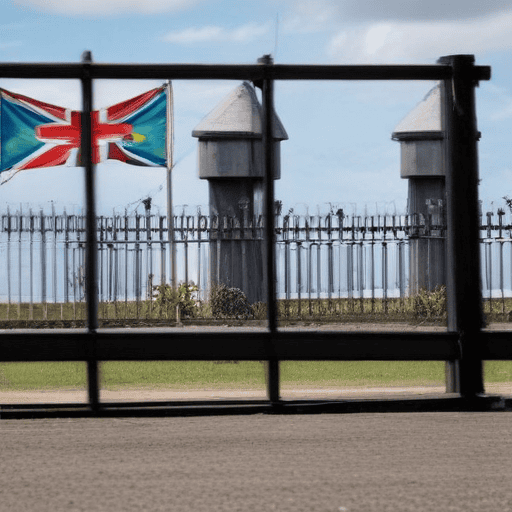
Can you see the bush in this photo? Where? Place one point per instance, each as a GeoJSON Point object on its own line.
{"type": "Point", "coordinates": [259, 310]}
{"type": "Point", "coordinates": [430, 304]}
{"type": "Point", "coordinates": [168, 298]}
{"type": "Point", "coordinates": [229, 303]}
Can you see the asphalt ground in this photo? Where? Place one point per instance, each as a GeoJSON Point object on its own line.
{"type": "Point", "coordinates": [326, 462]}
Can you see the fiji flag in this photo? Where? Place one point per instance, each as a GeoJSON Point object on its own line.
{"type": "Point", "coordinates": [34, 134]}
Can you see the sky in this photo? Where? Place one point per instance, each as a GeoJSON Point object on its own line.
{"type": "Point", "coordinates": [339, 152]}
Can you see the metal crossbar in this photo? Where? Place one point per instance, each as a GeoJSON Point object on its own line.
{"type": "Point", "coordinates": [464, 344]}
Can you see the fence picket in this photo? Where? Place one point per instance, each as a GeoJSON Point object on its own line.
{"type": "Point", "coordinates": [335, 255]}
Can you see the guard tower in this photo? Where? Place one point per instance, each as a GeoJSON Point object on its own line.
{"type": "Point", "coordinates": [231, 159]}
{"type": "Point", "coordinates": [422, 163]}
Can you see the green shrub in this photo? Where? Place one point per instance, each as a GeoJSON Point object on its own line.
{"type": "Point", "coordinates": [168, 298]}
{"type": "Point", "coordinates": [229, 303]}
{"type": "Point", "coordinates": [430, 305]}
{"type": "Point", "coordinates": [259, 310]}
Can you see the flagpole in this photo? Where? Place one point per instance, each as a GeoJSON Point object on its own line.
{"type": "Point", "coordinates": [170, 164]}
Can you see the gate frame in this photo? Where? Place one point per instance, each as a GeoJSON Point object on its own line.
{"type": "Point", "coordinates": [464, 345]}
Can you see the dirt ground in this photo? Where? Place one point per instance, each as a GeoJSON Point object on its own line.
{"type": "Point", "coordinates": [333, 463]}
{"type": "Point", "coordinates": [287, 393]}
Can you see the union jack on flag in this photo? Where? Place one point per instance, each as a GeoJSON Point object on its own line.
{"type": "Point", "coordinates": [34, 134]}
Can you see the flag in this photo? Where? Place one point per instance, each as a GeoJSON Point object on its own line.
{"type": "Point", "coordinates": [146, 114]}
{"type": "Point", "coordinates": [35, 134]}
{"type": "Point", "coordinates": [21, 146]}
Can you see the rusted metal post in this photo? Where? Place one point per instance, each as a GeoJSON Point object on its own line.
{"type": "Point", "coordinates": [464, 302]}
{"type": "Point", "coordinates": [91, 244]}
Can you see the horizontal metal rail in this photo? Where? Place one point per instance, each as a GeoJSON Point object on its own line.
{"type": "Point", "coordinates": [179, 345]}
{"type": "Point", "coordinates": [254, 72]}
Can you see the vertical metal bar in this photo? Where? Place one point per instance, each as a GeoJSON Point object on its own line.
{"type": "Point", "coordinates": [488, 264]}
{"type": "Point", "coordinates": [268, 149]}
{"type": "Point", "coordinates": [330, 271]}
{"type": "Point", "coordinates": [66, 258]}
{"type": "Point", "coordinates": [385, 275]}
{"type": "Point", "coordinates": [350, 273]}
{"type": "Point", "coordinates": [31, 267]}
{"type": "Point", "coordinates": [200, 290]}
{"type": "Point", "coordinates": [299, 279]}
{"type": "Point", "coordinates": [185, 249]}
{"type": "Point", "coordinates": [464, 289]}
{"type": "Point", "coordinates": [170, 165]}
{"type": "Point", "coordinates": [149, 260]}
{"type": "Point", "coordinates": [502, 290]}
{"type": "Point", "coordinates": [101, 267]}
{"type": "Point", "coordinates": [43, 259]}
{"type": "Point", "coordinates": [136, 270]}
{"type": "Point", "coordinates": [54, 255]}
{"type": "Point", "coordinates": [20, 228]}
{"type": "Point", "coordinates": [360, 274]}
{"type": "Point", "coordinates": [74, 282]}
{"type": "Point", "coordinates": [162, 253]}
{"type": "Point", "coordinates": [310, 277]}
{"type": "Point", "coordinates": [401, 287]}
{"type": "Point", "coordinates": [318, 271]}
{"type": "Point", "coordinates": [125, 264]}
{"type": "Point", "coordinates": [91, 245]}
{"type": "Point", "coordinates": [116, 262]}
{"type": "Point", "coordinates": [110, 248]}
{"type": "Point", "coordinates": [199, 287]}
{"type": "Point", "coordinates": [8, 262]}
{"type": "Point", "coordinates": [372, 273]}
{"type": "Point", "coordinates": [287, 270]}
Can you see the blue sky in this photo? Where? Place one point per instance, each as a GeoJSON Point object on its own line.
{"type": "Point", "coordinates": [339, 152]}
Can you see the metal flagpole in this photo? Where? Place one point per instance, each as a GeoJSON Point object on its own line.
{"type": "Point", "coordinates": [170, 165]}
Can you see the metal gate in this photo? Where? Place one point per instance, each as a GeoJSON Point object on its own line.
{"type": "Point", "coordinates": [464, 345]}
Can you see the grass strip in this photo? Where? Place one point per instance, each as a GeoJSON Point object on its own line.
{"type": "Point", "coordinates": [238, 375]}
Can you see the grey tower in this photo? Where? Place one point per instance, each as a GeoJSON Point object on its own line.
{"type": "Point", "coordinates": [422, 163]}
{"type": "Point", "coordinates": [231, 159]}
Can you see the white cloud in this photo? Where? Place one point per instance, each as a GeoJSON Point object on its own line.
{"type": "Point", "coordinates": [497, 102]}
{"type": "Point", "coordinates": [396, 42]}
{"type": "Point", "coordinates": [10, 44]}
{"type": "Point", "coordinates": [349, 11]}
{"type": "Point", "coordinates": [243, 34]}
{"type": "Point", "coordinates": [99, 8]}
{"type": "Point", "coordinates": [310, 17]}
{"type": "Point", "coordinates": [194, 35]}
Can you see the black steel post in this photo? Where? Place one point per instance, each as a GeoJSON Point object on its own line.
{"type": "Point", "coordinates": [272, 372]}
{"type": "Point", "coordinates": [465, 375]}
{"type": "Point", "coordinates": [91, 242]}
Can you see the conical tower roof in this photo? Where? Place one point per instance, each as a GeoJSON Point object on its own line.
{"type": "Point", "coordinates": [423, 121]}
{"type": "Point", "coordinates": [237, 116]}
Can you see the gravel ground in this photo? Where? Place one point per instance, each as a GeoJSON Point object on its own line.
{"type": "Point", "coordinates": [334, 463]}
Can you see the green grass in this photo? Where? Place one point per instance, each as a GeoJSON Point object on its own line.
{"type": "Point", "coordinates": [362, 373]}
{"type": "Point", "coordinates": [245, 374]}
{"type": "Point", "coordinates": [334, 310]}
{"type": "Point", "coordinates": [425, 306]}
{"type": "Point", "coordinates": [14, 376]}
{"type": "Point", "coordinates": [196, 374]}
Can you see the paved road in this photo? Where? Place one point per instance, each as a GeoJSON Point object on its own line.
{"type": "Point", "coordinates": [335, 463]}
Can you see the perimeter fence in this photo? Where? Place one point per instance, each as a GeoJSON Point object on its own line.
{"type": "Point", "coordinates": [329, 256]}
